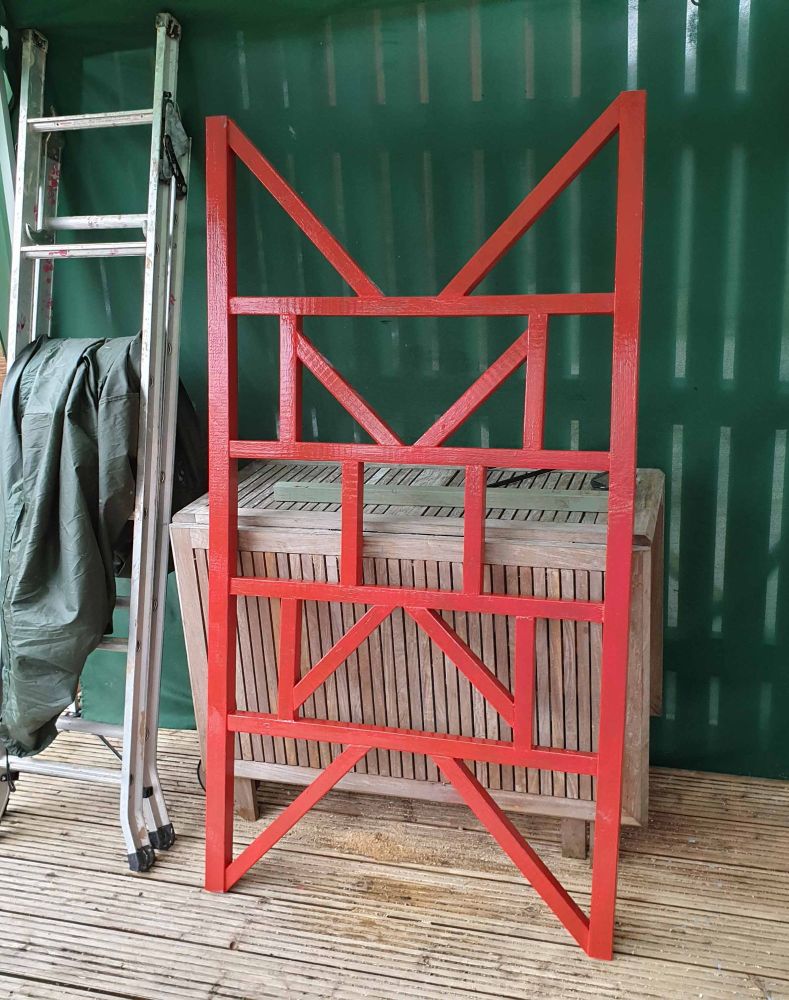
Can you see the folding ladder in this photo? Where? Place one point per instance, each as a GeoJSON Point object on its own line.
{"type": "Point", "coordinates": [143, 813]}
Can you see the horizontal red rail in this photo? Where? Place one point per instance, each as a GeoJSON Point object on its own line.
{"type": "Point", "coordinates": [570, 303]}
{"type": "Point", "coordinates": [492, 458]}
{"type": "Point", "coordinates": [402, 597]}
{"type": "Point", "coordinates": [414, 741]}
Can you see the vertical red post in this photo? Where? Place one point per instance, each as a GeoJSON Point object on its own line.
{"type": "Point", "coordinates": [474, 528]}
{"type": "Point", "coordinates": [223, 497]}
{"type": "Point", "coordinates": [616, 622]}
{"type": "Point", "coordinates": [523, 728]}
{"type": "Point", "coordinates": [536, 368]}
{"type": "Point", "coordinates": [290, 379]}
{"type": "Point", "coordinates": [289, 656]}
{"type": "Point", "coordinates": [352, 523]}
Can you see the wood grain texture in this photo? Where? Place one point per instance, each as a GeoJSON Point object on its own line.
{"type": "Point", "coordinates": [375, 898]}
{"type": "Point", "coordinates": [398, 676]}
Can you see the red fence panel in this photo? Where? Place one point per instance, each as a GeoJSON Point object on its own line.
{"type": "Point", "coordinates": [623, 119]}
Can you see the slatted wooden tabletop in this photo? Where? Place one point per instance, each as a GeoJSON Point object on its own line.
{"type": "Point", "coordinates": [388, 898]}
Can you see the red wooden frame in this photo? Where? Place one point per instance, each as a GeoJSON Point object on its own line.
{"type": "Point", "coordinates": [623, 118]}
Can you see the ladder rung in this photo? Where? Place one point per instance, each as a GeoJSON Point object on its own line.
{"type": "Point", "coordinates": [122, 601]}
{"type": "Point", "coordinates": [103, 119]}
{"type": "Point", "coordinates": [114, 645]}
{"type": "Point", "coordinates": [125, 248]}
{"type": "Point", "coordinates": [68, 723]}
{"type": "Point", "coordinates": [73, 222]}
{"type": "Point", "coordinates": [53, 769]}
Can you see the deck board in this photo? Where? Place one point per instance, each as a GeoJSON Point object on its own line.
{"type": "Point", "coordinates": [387, 898]}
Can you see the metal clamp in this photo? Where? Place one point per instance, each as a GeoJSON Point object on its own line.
{"type": "Point", "coordinates": [175, 167]}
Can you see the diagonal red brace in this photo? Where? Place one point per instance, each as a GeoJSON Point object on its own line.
{"type": "Point", "coordinates": [345, 394]}
{"type": "Point", "coordinates": [339, 652]}
{"type": "Point", "coordinates": [515, 847]}
{"type": "Point", "coordinates": [301, 214]}
{"type": "Point", "coordinates": [476, 394]}
{"type": "Point", "coordinates": [290, 816]}
{"type": "Point", "coordinates": [536, 202]}
{"type": "Point", "coordinates": [466, 660]}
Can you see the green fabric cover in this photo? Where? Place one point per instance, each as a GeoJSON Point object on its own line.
{"type": "Point", "coordinates": [68, 431]}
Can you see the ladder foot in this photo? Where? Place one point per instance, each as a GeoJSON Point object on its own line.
{"type": "Point", "coordinates": [142, 859]}
{"type": "Point", "coordinates": [163, 838]}
{"type": "Point", "coordinates": [5, 795]}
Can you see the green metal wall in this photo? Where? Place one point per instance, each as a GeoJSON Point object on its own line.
{"type": "Point", "coordinates": [413, 130]}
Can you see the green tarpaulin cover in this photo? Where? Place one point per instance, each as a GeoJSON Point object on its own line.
{"type": "Point", "coordinates": [68, 434]}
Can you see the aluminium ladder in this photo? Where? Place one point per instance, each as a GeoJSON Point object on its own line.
{"type": "Point", "coordinates": [143, 812]}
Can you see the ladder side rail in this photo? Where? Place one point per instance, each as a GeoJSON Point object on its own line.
{"type": "Point", "coordinates": [24, 271]}
{"type": "Point", "coordinates": [49, 189]}
{"type": "Point", "coordinates": [173, 299]}
{"type": "Point", "coordinates": [135, 726]}
{"type": "Point", "coordinates": [7, 163]}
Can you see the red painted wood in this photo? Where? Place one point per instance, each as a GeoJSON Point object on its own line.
{"type": "Point", "coordinates": [346, 396]}
{"type": "Point", "coordinates": [523, 727]}
{"type": "Point", "coordinates": [290, 816]}
{"type": "Point", "coordinates": [565, 303]}
{"type": "Point", "coordinates": [402, 597]}
{"type": "Point", "coordinates": [536, 202]}
{"type": "Point", "coordinates": [223, 490]}
{"type": "Point", "coordinates": [624, 117]}
{"type": "Point", "coordinates": [339, 652]}
{"type": "Point", "coordinates": [413, 741]}
{"type": "Point", "coordinates": [465, 659]}
{"type": "Point", "coordinates": [536, 371]}
{"type": "Point", "coordinates": [621, 503]}
{"type": "Point", "coordinates": [510, 458]}
{"type": "Point", "coordinates": [304, 218]}
{"type": "Point", "coordinates": [515, 847]}
{"type": "Point", "coordinates": [289, 666]}
{"type": "Point", "coordinates": [474, 495]}
{"type": "Point", "coordinates": [351, 535]}
{"type": "Point", "coordinates": [290, 379]}
{"type": "Point", "coordinates": [476, 394]}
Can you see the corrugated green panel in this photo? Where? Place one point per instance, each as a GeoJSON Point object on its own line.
{"type": "Point", "coordinates": [413, 130]}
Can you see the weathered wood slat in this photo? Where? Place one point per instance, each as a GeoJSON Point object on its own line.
{"type": "Point", "coordinates": [397, 677]}
{"type": "Point", "coordinates": [710, 839]}
{"type": "Point", "coordinates": [113, 902]}
{"type": "Point", "coordinates": [375, 898]}
{"type": "Point", "coordinates": [350, 896]}
{"type": "Point", "coordinates": [544, 538]}
{"type": "Point", "coordinates": [445, 496]}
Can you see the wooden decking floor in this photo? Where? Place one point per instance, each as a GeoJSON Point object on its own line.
{"type": "Point", "coordinates": [383, 898]}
